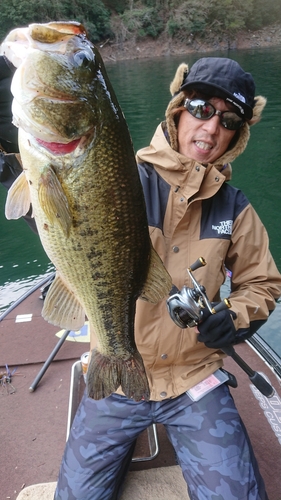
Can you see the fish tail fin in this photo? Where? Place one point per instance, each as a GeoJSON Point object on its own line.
{"type": "Point", "coordinates": [158, 282]}
{"type": "Point", "coordinates": [134, 381]}
{"type": "Point", "coordinates": [107, 373]}
{"type": "Point", "coordinates": [102, 376]}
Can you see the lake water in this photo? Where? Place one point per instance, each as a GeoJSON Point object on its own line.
{"type": "Point", "coordinates": [142, 87]}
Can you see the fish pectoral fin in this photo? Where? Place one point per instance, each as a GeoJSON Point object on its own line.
{"type": "Point", "coordinates": [18, 198]}
{"type": "Point", "coordinates": [61, 308]}
{"type": "Point", "coordinates": [158, 282]}
{"type": "Point", "coordinates": [53, 200]}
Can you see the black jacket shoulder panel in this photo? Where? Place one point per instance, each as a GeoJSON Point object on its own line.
{"type": "Point", "coordinates": [220, 212]}
{"type": "Point", "coordinates": [156, 192]}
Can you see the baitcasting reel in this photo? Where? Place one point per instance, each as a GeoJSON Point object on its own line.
{"type": "Point", "coordinates": [186, 306]}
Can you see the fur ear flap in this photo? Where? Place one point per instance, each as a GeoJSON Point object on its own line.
{"type": "Point", "coordinates": [178, 78]}
{"type": "Point", "coordinates": [260, 103]}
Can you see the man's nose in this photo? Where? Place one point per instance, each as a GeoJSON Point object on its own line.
{"type": "Point", "coordinates": [212, 125]}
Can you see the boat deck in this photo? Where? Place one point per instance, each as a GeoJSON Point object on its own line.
{"type": "Point", "coordinates": [34, 424]}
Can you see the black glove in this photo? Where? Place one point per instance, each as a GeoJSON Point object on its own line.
{"type": "Point", "coordinates": [217, 330]}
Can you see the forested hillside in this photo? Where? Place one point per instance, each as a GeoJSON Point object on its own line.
{"type": "Point", "coordinates": [122, 20]}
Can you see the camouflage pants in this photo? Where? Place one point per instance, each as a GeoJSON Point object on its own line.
{"type": "Point", "coordinates": [208, 436]}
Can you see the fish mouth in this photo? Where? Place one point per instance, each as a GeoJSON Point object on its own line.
{"type": "Point", "coordinates": [59, 148]}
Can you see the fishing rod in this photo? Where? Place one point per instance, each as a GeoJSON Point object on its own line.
{"type": "Point", "coordinates": [186, 310]}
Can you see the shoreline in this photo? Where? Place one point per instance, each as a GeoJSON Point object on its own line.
{"type": "Point", "coordinates": [268, 37]}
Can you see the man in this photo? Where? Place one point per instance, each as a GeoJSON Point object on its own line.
{"type": "Point", "coordinates": [192, 212]}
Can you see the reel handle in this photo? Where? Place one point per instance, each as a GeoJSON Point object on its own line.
{"type": "Point", "coordinates": [224, 304]}
{"type": "Point", "coordinates": [200, 262]}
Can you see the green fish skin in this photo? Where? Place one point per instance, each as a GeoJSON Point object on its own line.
{"type": "Point", "coordinates": [80, 175]}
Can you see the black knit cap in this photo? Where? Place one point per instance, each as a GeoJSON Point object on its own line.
{"type": "Point", "coordinates": [224, 78]}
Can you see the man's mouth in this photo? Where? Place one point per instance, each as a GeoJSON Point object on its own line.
{"type": "Point", "coordinates": [203, 145]}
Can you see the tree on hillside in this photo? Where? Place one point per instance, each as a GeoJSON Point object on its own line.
{"type": "Point", "coordinates": [264, 13]}
{"type": "Point", "coordinates": [117, 6]}
{"type": "Point", "coordinates": [187, 20]}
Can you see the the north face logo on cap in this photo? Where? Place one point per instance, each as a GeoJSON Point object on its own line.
{"type": "Point", "coordinates": [240, 97]}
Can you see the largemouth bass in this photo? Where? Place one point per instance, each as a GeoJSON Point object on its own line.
{"type": "Point", "coordinates": [80, 175]}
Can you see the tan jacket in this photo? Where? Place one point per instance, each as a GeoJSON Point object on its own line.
{"type": "Point", "coordinates": [193, 212]}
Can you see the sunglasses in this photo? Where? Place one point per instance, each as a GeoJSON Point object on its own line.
{"type": "Point", "coordinates": [204, 110]}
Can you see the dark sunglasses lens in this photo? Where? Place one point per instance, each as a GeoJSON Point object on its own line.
{"type": "Point", "coordinates": [200, 109]}
{"type": "Point", "coordinates": [203, 110]}
{"type": "Point", "coordinates": [231, 121]}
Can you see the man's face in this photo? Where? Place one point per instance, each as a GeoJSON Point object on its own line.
{"type": "Point", "coordinates": [204, 140]}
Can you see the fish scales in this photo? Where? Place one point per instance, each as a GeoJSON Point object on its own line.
{"type": "Point", "coordinates": [80, 175]}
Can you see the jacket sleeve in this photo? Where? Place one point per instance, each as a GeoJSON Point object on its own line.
{"type": "Point", "coordinates": [255, 281]}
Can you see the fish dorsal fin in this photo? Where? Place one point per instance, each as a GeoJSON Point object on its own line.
{"type": "Point", "coordinates": [18, 199]}
{"type": "Point", "coordinates": [61, 308]}
{"type": "Point", "coordinates": [53, 200]}
{"type": "Point", "coordinates": [158, 282]}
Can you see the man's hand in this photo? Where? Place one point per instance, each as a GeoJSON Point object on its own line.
{"type": "Point", "coordinates": [217, 330]}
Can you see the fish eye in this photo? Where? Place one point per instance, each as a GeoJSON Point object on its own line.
{"type": "Point", "coordinates": [82, 58]}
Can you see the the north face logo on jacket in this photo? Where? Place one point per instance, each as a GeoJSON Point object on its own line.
{"type": "Point", "coordinates": [225, 227]}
